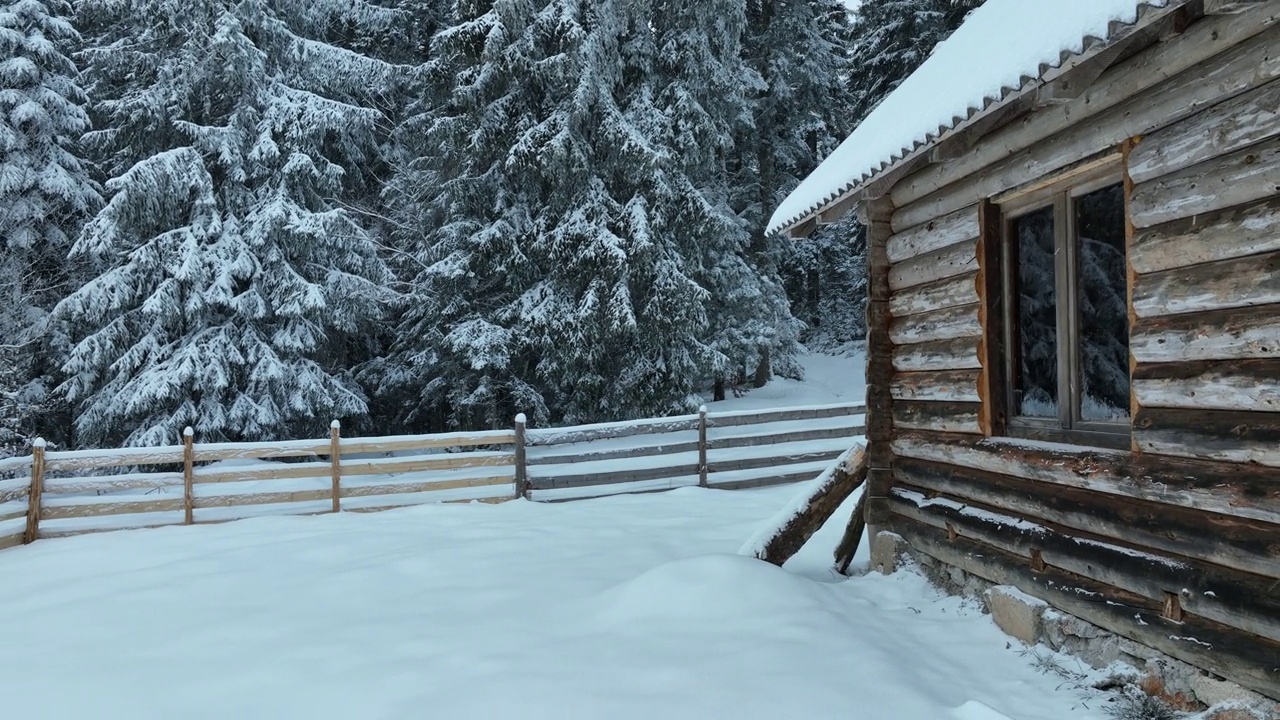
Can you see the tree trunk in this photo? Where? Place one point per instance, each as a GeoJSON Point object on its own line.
{"type": "Point", "coordinates": [717, 392]}
{"type": "Point", "coordinates": [763, 370]}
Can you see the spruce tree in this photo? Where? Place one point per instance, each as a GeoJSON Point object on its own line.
{"type": "Point", "coordinates": [233, 277]}
{"type": "Point", "coordinates": [45, 193]}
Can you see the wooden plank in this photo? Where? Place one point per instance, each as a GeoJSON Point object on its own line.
{"type": "Point", "coordinates": [779, 542]}
{"type": "Point", "coordinates": [783, 457]}
{"type": "Point", "coordinates": [449, 461]}
{"type": "Point", "coordinates": [735, 419]}
{"type": "Point", "coordinates": [940, 295]}
{"type": "Point", "coordinates": [959, 354]}
{"type": "Point", "coordinates": [1225, 488]}
{"type": "Point", "coordinates": [613, 478]}
{"type": "Point", "coordinates": [1239, 600]}
{"type": "Point", "coordinates": [1223, 235]}
{"type": "Point", "coordinates": [936, 234]}
{"type": "Point", "coordinates": [1214, 60]}
{"type": "Point", "coordinates": [1244, 658]}
{"type": "Point", "coordinates": [1236, 334]}
{"type": "Point", "coordinates": [880, 354]}
{"type": "Point", "coordinates": [34, 509]}
{"type": "Point", "coordinates": [272, 498]}
{"type": "Point", "coordinates": [1220, 130]}
{"type": "Point", "coordinates": [8, 541]}
{"type": "Point", "coordinates": [80, 460]}
{"type": "Point", "coordinates": [941, 386]}
{"type": "Point", "coordinates": [393, 444]}
{"type": "Point", "coordinates": [1227, 435]}
{"type": "Point", "coordinates": [1249, 385]}
{"type": "Point", "coordinates": [952, 417]}
{"type": "Point", "coordinates": [951, 323]}
{"type": "Point", "coordinates": [12, 510]}
{"type": "Point", "coordinates": [608, 431]}
{"type": "Point", "coordinates": [993, 415]}
{"type": "Point", "coordinates": [398, 488]}
{"type": "Point", "coordinates": [946, 262]}
{"type": "Point", "coordinates": [782, 438]}
{"type": "Point", "coordinates": [275, 471]}
{"type": "Point", "coordinates": [96, 509]}
{"type": "Point", "coordinates": [1242, 177]}
{"type": "Point", "coordinates": [213, 452]}
{"type": "Point", "coordinates": [1243, 282]}
{"type": "Point", "coordinates": [1244, 545]}
{"type": "Point", "coordinates": [586, 454]}
{"type": "Point", "coordinates": [113, 483]}
{"type": "Point", "coordinates": [16, 488]}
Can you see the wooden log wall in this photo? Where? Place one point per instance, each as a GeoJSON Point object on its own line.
{"type": "Point", "coordinates": [1176, 542]}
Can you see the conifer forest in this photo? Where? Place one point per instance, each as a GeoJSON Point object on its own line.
{"type": "Point", "coordinates": [255, 216]}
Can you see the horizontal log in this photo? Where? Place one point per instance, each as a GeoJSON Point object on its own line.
{"type": "Point", "coordinates": [1242, 177]}
{"type": "Point", "coordinates": [779, 460]}
{"type": "Point", "coordinates": [1227, 435]}
{"type": "Point", "coordinates": [1225, 488]}
{"type": "Point", "coordinates": [936, 356]}
{"type": "Point", "coordinates": [945, 417]}
{"type": "Point", "coordinates": [1223, 235]}
{"type": "Point", "coordinates": [112, 483]}
{"type": "Point", "coordinates": [426, 442]}
{"type": "Point", "coordinates": [609, 431]}
{"type": "Point", "coordinates": [946, 324]}
{"type": "Point", "coordinates": [273, 471]}
{"type": "Point", "coordinates": [779, 476]}
{"type": "Point", "coordinates": [550, 482]}
{"type": "Point", "coordinates": [1241, 282]}
{"type": "Point", "coordinates": [781, 438]}
{"type": "Point", "coordinates": [943, 386]}
{"type": "Point", "coordinates": [12, 510]}
{"type": "Point", "coordinates": [444, 461]}
{"type": "Point", "coordinates": [270, 498]}
{"type": "Point", "coordinates": [78, 460]}
{"type": "Point", "coordinates": [1236, 334]}
{"type": "Point", "coordinates": [212, 452]}
{"type": "Point", "coordinates": [399, 488]}
{"type": "Point", "coordinates": [937, 233]}
{"type": "Point", "coordinates": [1212, 62]}
{"type": "Point", "coordinates": [587, 455]}
{"type": "Point", "coordinates": [14, 489]}
{"type": "Point", "coordinates": [949, 293]}
{"type": "Point", "coordinates": [940, 264]}
{"type": "Point", "coordinates": [9, 541]}
{"type": "Point", "coordinates": [59, 511]}
{"type": "Point", "coordinates": [1241, 544]}
{"type": "Point", "coordinates": [1220, 130]}
{"type": "Point", "coordinates": [1244, 658]}
{"type": "Point", "coordinates": [761, 417]}
{"type": "Point", "coordinates": [1250, 385]}
{"type": "Point", "coordinates": [1238, 600]}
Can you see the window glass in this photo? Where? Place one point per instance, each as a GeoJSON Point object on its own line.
{"type": "Point", "coordinates": [1102, 305]}
{"type": "Point", "coordinates": [1036, 381]}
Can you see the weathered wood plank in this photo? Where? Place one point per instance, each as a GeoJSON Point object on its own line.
{"type": "Point", "coordinates": [296, 496]}
{"type": "Point", "coordinates": [948, 293]}
{"type": "Point", "coordinates": [959, 354]}
{"type": "Point", "coordinates": [280, 471]}
{"type": "Point", "coordinates": [1056, 138]}
{"type": "Point", "coordinates": [735, 419]}
{"type": "Point", "coordinates": [1250, 385]}
{"type": "Point", "coordinates": [991, 350]}
{"type": "Point", "coordinates": [79, 460]}
{"type": "Point", "coordinates": [782, 458]}
{"type": "Point", "coordinates": [937, 416]}
{"type": "Point", "coordinates": [1220, 130]}
{"type": "Point", "coordinates": [1236, 334]}
{"type": "Point", "coordinates": [609, 431]}
{"type": "Point", "coordinates": [946, 324]}
{"type": "Point", "coordinates": [1247, 659]}
{"type": "Point", "coordinates": [61, 511]}
{"type": "Point", "coordinates": [450, 461]}
{"type": "Point", "coordinates": [9, 541]}
{"type": "Point", "coordinates": [744, 441]}
{"type": "Point", "coordinates": [1223, 235]}
{"type": "Point", "coordinates": [426, 442]}
{"type": "Point", "coordinates": [1226, 488]}
{"type": "Point", "coordinates": [417, 487]}
{"type": "Point", "coordinates": [1242, 177]}
{"type": "Point", "coordinates": [113, 483]}
{"type": "Point", "coordinates": [1231, 436]}
{"type": "Point", "coordinates": [550, 482]}
{"type": "Point", "coordinates": [880, 352]}
{"type": "Point", "coordinates": [943, 386]}
{"type": "Point", "coordinates": [588, 455]}
{"type": "Point", "coordinates": [941, 264]}
{"type": "Point", "coordinates": [1249, 546]}
{"type": "Point", "coordinates": [1242, 282]}
{"type": "Point", "coordinates": [1239, 600]}
{"type": "Point", "coordinates": [212, 452]}
{"type": "Point", "coordinates": [779, 542]}
{"type": "Point", "coordinates": [936, 234]}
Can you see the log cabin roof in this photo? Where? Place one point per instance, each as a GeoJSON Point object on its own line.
{"type": "Point", "coordinates": [1005, 50]}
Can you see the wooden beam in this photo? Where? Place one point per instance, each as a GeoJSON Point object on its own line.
{"type": "Point", "coordinates": [1230, 7]}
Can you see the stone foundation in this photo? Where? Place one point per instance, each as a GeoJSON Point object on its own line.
{"type": "Point", "coordinates": [1033, 622]}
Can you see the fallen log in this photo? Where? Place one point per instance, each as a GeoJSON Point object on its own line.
{"type": "Point", "coordinates": [848, 546]}
{"type": "Point", "coordinates": [783, 536]}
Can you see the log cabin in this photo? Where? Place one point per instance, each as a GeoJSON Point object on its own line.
{"type": "Point", "coordinates": [1073, 226]}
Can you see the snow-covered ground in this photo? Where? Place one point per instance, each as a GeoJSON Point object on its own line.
{"type": "Point", "coordinates": [828, 380]}
{"type": "Point", "coordinates": [620, 607]}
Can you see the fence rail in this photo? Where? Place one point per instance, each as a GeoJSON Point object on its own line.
{"type": "Point", "coordinates": [57, 493]}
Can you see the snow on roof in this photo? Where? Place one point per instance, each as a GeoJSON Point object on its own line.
{"type": "Point", "coordinates": [1003, 47]}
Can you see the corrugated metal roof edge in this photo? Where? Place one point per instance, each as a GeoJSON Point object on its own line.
{"type": "Point", "coordinates": [1148, 13]}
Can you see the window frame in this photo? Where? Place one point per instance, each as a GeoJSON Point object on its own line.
{"type": "Point", "coordinates": [1060, 195]}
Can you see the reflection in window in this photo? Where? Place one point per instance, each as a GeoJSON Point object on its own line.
{"type": "Point", "coordinates": [1102, 305]}
{"type": "Point", "coordinates": [1036, 381]}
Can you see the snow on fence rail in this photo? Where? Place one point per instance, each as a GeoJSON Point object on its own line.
{"type": "Point", "coordinates": [57, 493]}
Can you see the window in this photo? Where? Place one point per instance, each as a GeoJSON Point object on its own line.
{"type": "Point", "coordinates": [1066, 313]}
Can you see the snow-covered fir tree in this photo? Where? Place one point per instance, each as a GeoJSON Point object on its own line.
{"type": "Point", "coordinates": [232, 276]}
{"type": "Point", "coordinates": [45, 194]}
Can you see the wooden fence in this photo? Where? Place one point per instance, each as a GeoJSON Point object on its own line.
{"type": "Point", "coordinates": [58, 493]}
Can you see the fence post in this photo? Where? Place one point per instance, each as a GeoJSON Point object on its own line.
{"type": "Point", "coordinates": [188, 476]}
{"type": "Point", "coordinates": [702, 446]}
{"type": "Point", "coordinates": [37, 489]}
{"type": "Point", "coordinates": [522, 464]}
{"type": "Point", "coordinates": [335, 462]}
